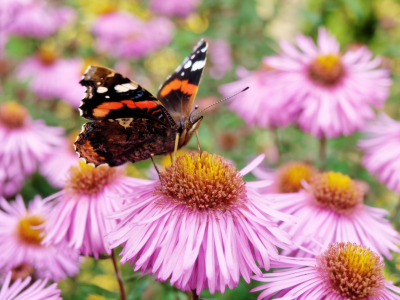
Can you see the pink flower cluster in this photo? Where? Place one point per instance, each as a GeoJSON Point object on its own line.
{"type": "Point", "coordinates": [123, 35]}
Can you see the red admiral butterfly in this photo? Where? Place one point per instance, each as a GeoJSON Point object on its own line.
{"type": "Point", "coordinates": [130, 124]}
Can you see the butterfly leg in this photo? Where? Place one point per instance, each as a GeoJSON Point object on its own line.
{"type": "Point", "coordinates": [198, 142]}
{"type": "Point", "coordinates": [176, 147]}
{"type": "Point", "coordinates": [155, 166]}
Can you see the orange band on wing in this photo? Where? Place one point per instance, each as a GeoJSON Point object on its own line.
{"type": "Point", "coordinates": [184, 86]}
{"type": "Point", "coordinates": [129, 103]}
{"type": "Point", "coordinates": [110, 105]}
{"type": "Point", "coordinates": [100, 112]}
{"type": "Point", "coordinates": [149, 104]}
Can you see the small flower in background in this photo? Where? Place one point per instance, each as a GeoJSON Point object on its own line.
{"type": "Point", "coordinates": [220, 58]}
{"type": "Point", "coordinates": [24, 144]}
{"type": "Point", "coordinates": [174, 7]}
{"type": "Point", "coordinates": [343, 271]}
{"type": "Point", "coordinates": [335, 93]}
{"type": "Point", "coordinates": [123, 35]}
{"type": "Point", "coordinates": [56, 167]}
{"type": "Point", "coordinates": [21, 232]}
{"type": "Point", "coordinates": [263, 104]}
{"type": "Point", "coordinates": [381, 146]}
{"type": "Point", "coordinates": [288, 178]}
{"type": "Point", "coordinates": [89, 194]}
{"type": "Point", "coordinates": [27, 290]}
{"type": "Point", "coordinates": [36, 18]}
{"type": "Point", "coordinates": [204, 227]}
{"type": "Point", "coordinates": [51, 77]}
{"type": "Point", "coordinates": [330, 210]}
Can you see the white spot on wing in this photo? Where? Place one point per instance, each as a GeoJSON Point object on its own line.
{"type": "Point", "coordinates": [198, 65]}
{"type": "Point", "coordinates": [204, 49]}
{"type": "Point", "coordinates": [98, 83]}
{"type": "Point", "coordinates": [107, 97]}
{"type": "Point", "coordinates": [183, 73]}
{"type": "Point", "coordinates": [80, 112]}
{"type": "Point", "coordinates": [121, 88]}
{"type": "Point", "coordinates": [102, 89]}
{"type": "Point", "coordinates": [188, 64]}
{"type": "Point", "coordinates": [193, 56]}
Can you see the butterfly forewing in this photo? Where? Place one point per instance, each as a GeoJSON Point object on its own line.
{"type": "Point", "coordinates": [110, 95]}
{"type": "Point", "coordinates": [177, 93]}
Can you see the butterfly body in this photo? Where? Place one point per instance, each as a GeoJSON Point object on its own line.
{"type": "Point", "coordinates": [129, 123]}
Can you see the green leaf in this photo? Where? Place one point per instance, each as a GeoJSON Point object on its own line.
{"type": "Point", "coordinates": [94, 289]}
{"type": "Point", "coordinates": [140, 288]}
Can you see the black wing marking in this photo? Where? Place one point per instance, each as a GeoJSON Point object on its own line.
{"type": "Point", "coordinates": [177, 93]}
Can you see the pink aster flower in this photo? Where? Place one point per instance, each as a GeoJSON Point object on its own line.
{"type": "Point", "coordinates": [382, 150]}
{"type": "Point", "coordinates": [331, 210]}
{"type": "Point", "coordinates": [21, 232]}
{"type": "Point", "coordinates": [25, 290]}
{"type": "Point", "coordinates": [24, 144]}
{"type": "Point", "coordinates": [78, 214]}
{"type": "Point", "coordinates": [123, 35]}
{"type": "Point", "coordinates": [51, 77]}
{"type": "Point", "coordinates": [174, 7]}
{"type": "Point", "coordinates": [204, 227]}
{"type": "Point", "coordinates": [56, 167]}
{"type": "Point", "coordinates": [288, 178]}
{"type": "Point", "coordinates": [335, 92]}
{"type": "Point", "coordinates": [264, 104]}
{"type": "Point", "coordinates": [37, 18]}
{"type": "Point", "coordinates": [343, 271]}
{"type": "Point", "coordinates": [220, 57]}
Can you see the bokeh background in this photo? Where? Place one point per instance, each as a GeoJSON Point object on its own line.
{"type": "Point", "coordinates": [240, 34]}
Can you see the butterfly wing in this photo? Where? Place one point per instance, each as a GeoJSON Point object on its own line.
{"type": "Point", "coordinates": [115, 142]}
{"type": "Point", "coordinates": [110, 95]}
{"type": "Point", "coordinates": [179, 90]}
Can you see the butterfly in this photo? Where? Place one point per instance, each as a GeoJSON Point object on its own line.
{"type": "Point", "coordinates": [129, 123]}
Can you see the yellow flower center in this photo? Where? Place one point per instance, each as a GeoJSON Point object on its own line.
{"type": "Point", "coordinates": [289, 177]}
{"type": "Point", "coordinates": [22, 271]}
{"type": "Point", "coordinates": [26, 231]}
{"type": "Point", "coordinates": [352, 271]}
{"type": "Point", "coordinates": [326, 70]}
{"type": "Point", "coordinates": [336, 191]}
{"type": "Point", "coordinates": [47, 56]}
{"type": "Point", "coordinates": [13, 115]}
{"type": "Point", "coordinates": [86, 179]}
{"type": "Point", "coordinates": [203, 182]}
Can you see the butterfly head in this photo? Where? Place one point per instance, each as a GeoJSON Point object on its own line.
{"type": "Point", "coordinates": [188, 128]}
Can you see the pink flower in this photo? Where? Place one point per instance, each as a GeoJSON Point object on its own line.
{"type": "Point", "coordinates": [123, 35]}
{"type": "Point", "coordinates": [330, 210]}
{"type": "Point", "coordinates": [89, 194]}
{"type": "Point", "coordinates": [202, 228]}
{"type": "Point", "coordinates": [220, 57]}
{"type": "Point", "coordinates": [334, 92]}
{"type": "Point", "coordinates": [56, 167]}
{"type": "Point", "coordinates": [382, 150]}
{"type": "Point", "coordinates": [343, 271]}
{"type": "Point", "coordinates": [37, 18]}
{"type": "Point", "coordinates": [24, 144]}
{"type": "Point", "coordinates": [51, 77]}
{"type": "Point", "coordinates": [174, 7]}
{"type": "Point", "coordinates": [21, 232]}
{"type": "Point", "coordinates": [263, 104]}
{"type": "Point", "coordinates": [21, 290]}
{"type": "Point", "coordinates": [288, 178]}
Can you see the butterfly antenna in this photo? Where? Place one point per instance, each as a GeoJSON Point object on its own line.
{"type": "Point", "coordinates": [245, 89]}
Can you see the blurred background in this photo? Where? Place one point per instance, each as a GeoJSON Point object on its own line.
{"type": "Point", "coordinates": [157, 35]}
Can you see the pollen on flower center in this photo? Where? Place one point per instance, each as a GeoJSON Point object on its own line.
{"type": "Point", "coordinates": [47, 56]}
{"type": "Point", "coordinates": [326, 70]}
{"type": "Point", "coordinates": [352, 271]}
{"type": "Point", "coordinates": [336, 191]}
{"type": "Point", "coordinates": [26, 231]}
{"type": "Point", "coordinates": [203, 182]}
{"type": "Point", "coordinates": [13, 115]}
{"type": "Point", "coordinates": [290, 175]}
{"type": "Point", "coordinates": [86, 179]}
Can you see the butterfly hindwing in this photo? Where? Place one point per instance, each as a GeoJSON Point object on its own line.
{"type": "Point", "coordinates": [115, 142]}
{"type": "Point", "coordinates": [177, 93]}
{"type": "Point", "coordinates": [110, 95]}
